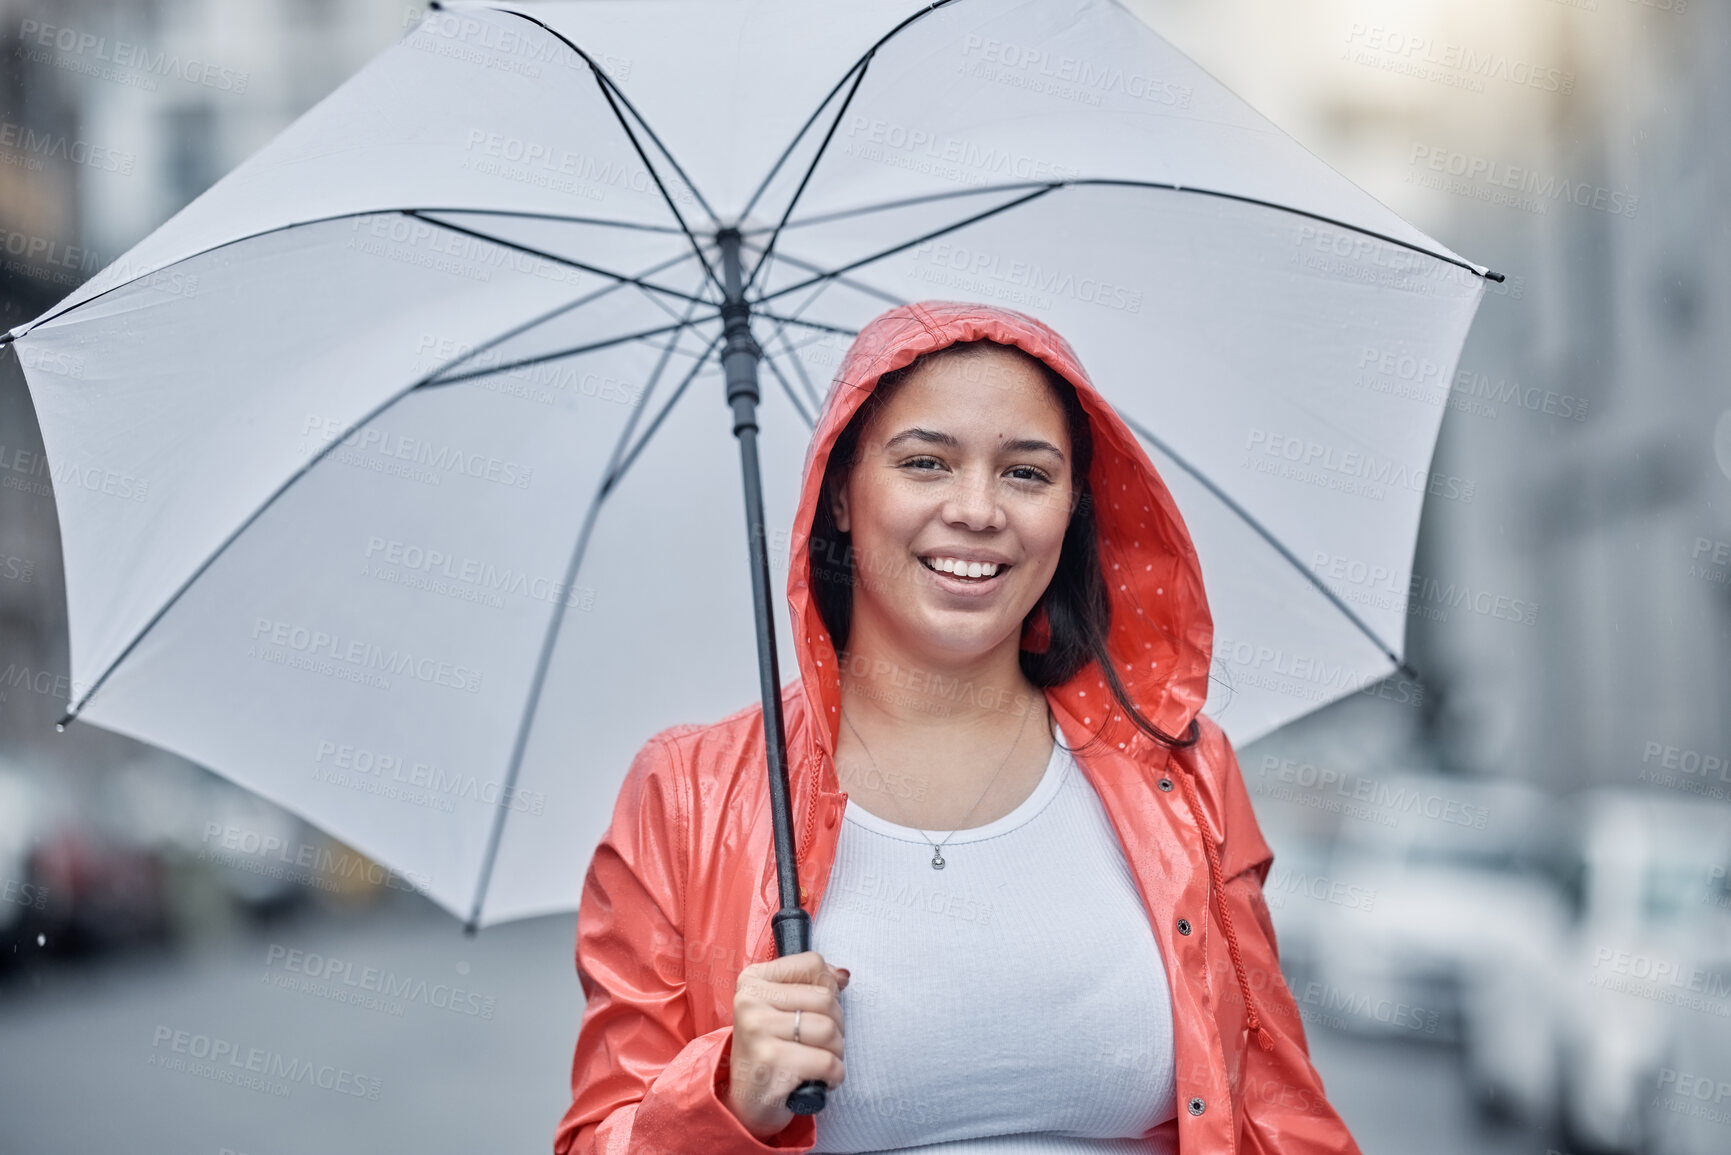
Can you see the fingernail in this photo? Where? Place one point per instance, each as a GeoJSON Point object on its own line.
{"type": "Point", "coordinates": [843, 972]}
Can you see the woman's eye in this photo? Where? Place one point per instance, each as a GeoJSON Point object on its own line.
{"type": "Point", "coordinates": [1029, 473]}
{"type": "Point", "coordinates": [1018, 472]}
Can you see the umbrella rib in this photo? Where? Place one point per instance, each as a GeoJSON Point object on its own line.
{"type": "Point", "coordinates": [604, 222]}
{"type": "Point", "coordinates": [325, 220]}
{"type": "Point", "coordinates": [607, 92]}
{"type": "Point", "coordinates": [615, 97]}
{"type": "Point", "coordinates": [662, 148]}
{"type": "Point", "coordinates": [793, 346]}
{"type": "Point", "coordinates": [901, 203]}
{"type": "Point", "coordinates": [920, 240]}
{"type": "Point", "coordinates": [824, 103]}
{"type": "Point", "coordinates": [811, 169]}
{"type": "Point", "coordinates": [616, 474]}
{"type": "Point", "coordinates": [559, 354]}
{"type": "Point", "coordinates": [763, 185]}
{"type": "Point", "coordinates": [818, 325]}
{"type": "Point", "coordinates": [519, 330]}
{"type": "Point", "coordinates": [549, 639]}
{"type": "Point", "coordinates": [856, 285]}
{"type": "Point", "coordinates": [305, 467]}
{"type": "Point", "coordinates": [667, 308]}
{"type": "Point", "coordinates": [615, 469]}
{"type": "Point", "coordinates": [1080, 182]}
{"type": "Point", "coordinates": [1110, 182]}
{"type": "Point", "coordinates": [554, 257]}
{"type": "Point", "coordinates": [1278, 546]}
{"type": "Point", "coordinates": [823, 286]}
{"type": "Point", "coordinates": [798, 365]}
{"type": "Point", "coordinates": [787, 387]}
{"type": "Point", "coordinates": [794, 318]}
{"type": "Point", "coordinates": [606, 83]}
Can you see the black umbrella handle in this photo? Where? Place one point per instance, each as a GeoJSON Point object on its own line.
{"type": "Point", "coordinates": [808, 1097]}
{"type": "Point", "coordinates": [739, 357]}
{"type": "Point", "coordinates": [792, 932]}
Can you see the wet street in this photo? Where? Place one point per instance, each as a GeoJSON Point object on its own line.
{"type": "Point", "coordinates": [386, 1030]}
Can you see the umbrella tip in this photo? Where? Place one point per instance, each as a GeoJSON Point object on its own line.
{"type": "Point", "coordinates": [60, 726]}
{"type": "Point", "coordinates": [1492, 275]}
{"type": "Point", "coordinates": [469, 929]}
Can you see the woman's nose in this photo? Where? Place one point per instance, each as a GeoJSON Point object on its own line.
{"type": "Point", "coordinates": [973, 503]}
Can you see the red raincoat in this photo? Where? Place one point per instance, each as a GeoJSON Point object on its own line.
{"type": "Point", "coordinates": [678, 896]}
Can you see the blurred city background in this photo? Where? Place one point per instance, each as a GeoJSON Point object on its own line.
{"type": "Point", "coordinates": [1501, 895]}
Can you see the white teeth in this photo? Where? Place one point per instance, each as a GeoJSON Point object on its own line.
{"type": "Point", "coordinates": [971, 569]}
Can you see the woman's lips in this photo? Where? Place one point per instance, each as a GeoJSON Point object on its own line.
{"type": "Point", "coordinates": [962, 584]}
{"type": "Point", "coordinates": [963, 568]}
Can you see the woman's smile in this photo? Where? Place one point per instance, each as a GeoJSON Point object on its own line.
{"type": "Point", "coordinates": [967, 578]}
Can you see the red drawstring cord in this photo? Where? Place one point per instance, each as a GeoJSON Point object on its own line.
{"type": "Point", "coordinates": [1252, 1021]}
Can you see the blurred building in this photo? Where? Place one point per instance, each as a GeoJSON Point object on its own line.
{"type": "Point", "coordinates": [114, 114]}
{"type": "Point", "coordinates": [1571, 621]}
{"type": "Point", "coordinates": [1618, 522]}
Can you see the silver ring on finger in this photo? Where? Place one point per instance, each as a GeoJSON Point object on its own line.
{"type": "Point", "coordinates": [796, 1015]}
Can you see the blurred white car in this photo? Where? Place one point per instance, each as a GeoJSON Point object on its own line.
{"type": "Point", "coordinates": [1687, 1104]}
{"type": "Point", "coordinates": [202, 823]}
{"type": "Point", "coordinates": [1582, 1030]}
{"type": "Point", "coordinates": [1448, 874]}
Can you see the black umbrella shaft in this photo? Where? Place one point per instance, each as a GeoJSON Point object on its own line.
{"type": "Point", "coordinates": [739, 359]}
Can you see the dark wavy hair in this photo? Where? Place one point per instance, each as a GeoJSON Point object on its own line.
{"type": "Point", "coordinates": [1078, 611]}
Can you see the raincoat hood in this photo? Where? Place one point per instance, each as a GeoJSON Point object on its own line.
{"type": "Point", "coordinates": [1161, 633]}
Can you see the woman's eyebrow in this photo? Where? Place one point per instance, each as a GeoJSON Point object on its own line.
{"type": "Point", "coordinates": [1031, 445]}
{"type": "Point", "coordinates": [929, 436]}
{"type": "Point", "coordinates": [938, 437]}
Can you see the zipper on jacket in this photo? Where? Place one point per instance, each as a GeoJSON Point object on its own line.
{"type": "Point", "coordinates": [810, 817]}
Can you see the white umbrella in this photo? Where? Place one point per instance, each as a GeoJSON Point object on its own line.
{"type": "Point", "coordinates": [392, 472]}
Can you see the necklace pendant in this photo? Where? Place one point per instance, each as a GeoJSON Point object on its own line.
{"type": "Point", "coordinates": [937, 860]}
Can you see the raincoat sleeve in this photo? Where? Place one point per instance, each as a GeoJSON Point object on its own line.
{"type": "Point", "coordinates": [641, 1083]}
{"type": "Point", "coordinates": [1282, 1107]}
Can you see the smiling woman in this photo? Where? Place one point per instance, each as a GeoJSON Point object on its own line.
{"type": "Point", "coordinates": [975, 448]}
{"type": "Point", "coordinates": [966, 474]}
{"type": "Point", "coordinates": [996, 753]}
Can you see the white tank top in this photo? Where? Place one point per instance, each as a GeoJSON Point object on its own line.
{"type": "Point", "coordinates": [1014, 1001]}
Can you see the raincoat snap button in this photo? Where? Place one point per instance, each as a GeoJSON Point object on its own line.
{"type": "Point", "coordinates": [1197, 1106]}
{"type": "Point", "coordinates": [1184, 928]}
{"type": "Point", "coordinates": [1165, 783]}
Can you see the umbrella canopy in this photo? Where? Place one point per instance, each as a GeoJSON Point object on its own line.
{"type": "Point", "coordinates": [393, 472]}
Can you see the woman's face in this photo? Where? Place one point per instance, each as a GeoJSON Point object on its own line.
{"type": "Point", "coordinates": [966, 469]}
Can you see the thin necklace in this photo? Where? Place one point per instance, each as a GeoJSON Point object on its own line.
{"type": "Point", "coordinates": [937, 847]}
